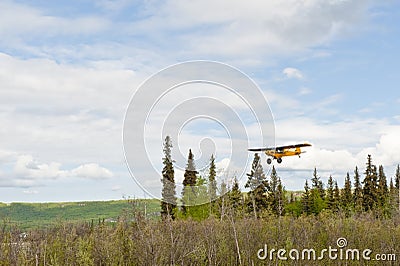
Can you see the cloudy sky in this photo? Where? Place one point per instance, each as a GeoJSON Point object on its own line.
{"type": "Point", "coordinates": [68, 69]}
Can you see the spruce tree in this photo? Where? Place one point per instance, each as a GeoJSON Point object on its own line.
{"type": "Point", "coordinates": [306, 199]}
{"type": "Point", "coordinates": [392, 188]}
{"type": "Point", "coordinates": [317, 194]}
{"type": "Point", "coordinates": [212, 182]}
{"type": "Point", "coordinates": [317, 184]}
{"type": "Point", "coordinates": [189, 183]}
{"type": "Point", "coordinates": [382, 192]}
{"type": "Point", "coordinates": [392, 195]}
{"type": "Point", "coordinates": [168, 202]}
{"type": "Point", "coordinates": [258, 185]}
{"type": "Point", "coordinates": [336, 197]}
{"type": "Point", "coordinates": [370, 184]}
{"type": "Point", "coordinates": [235, 197]}
{"type": "Point", "coordinates": [357, 195]}
{"type": "Point", "coordinates": [281, 207]}
{"type": "Point", "coordinates": [329, 194]}
{"type": "Point", "coordinates": [276, 193]}
{"type": "Point", "coordinates": [346, 198]}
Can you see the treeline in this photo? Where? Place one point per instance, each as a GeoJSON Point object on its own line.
{"type": "Point", "coordinates": [201, 197]}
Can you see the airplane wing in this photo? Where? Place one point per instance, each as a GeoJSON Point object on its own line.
{"type": "Point", "coordinates": [261, 149]}
{"type": "Point", "coordinates": [293, 146]}
{"type": "Point", "coordinates": [279, 148]}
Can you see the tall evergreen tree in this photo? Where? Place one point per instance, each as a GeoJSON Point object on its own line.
{"type": "Point", "coordinates": [168, 202]}
{"type": "Point", "coordinates": [189, 183]}
{"type": "Point", "coordinates": [346, 197]}
{"type": "Point", "coordinates": [306, 199]}
{"type": "Point", "coordinates": [391, 186]}
{"type": "Point", "coordinates": [212, 182]}
{"type": "Point", "coordinates": [282, 201]}
{"type": "Point", "coordinates": [317, 184]}
{"type": "Point", "coordinates": [370, 183]}
{"type": "Point", "coordinates": [382, 192]}
{"type": "Point", "coordinates": [235, 197]}
{"type": "Point", "coordinates": [258, 185]}
{"type": "Point", "coordinates": [329, 194]}
{"type": "Point", "coordinates": [317, 194]}
{"type": "Point", "coordinates": [392, 195]}
{"type": "Point", "coordinates": [336, 197]}
{"type": "Point", "coordinates": [357, 195]}
{"type": "Point", "coordinates": [276, 193]}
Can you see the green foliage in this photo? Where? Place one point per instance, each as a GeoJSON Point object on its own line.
{"type": "Point", "coordinates": [197, 201]}
{"type": "Point", "coordinates": [168, 202]}
{"type": "Point", "coordinates": [330, 200]}
{"type": "Point", "coordinates": [235, 197]}
{"type": "Point", "coordinates": [212, 182]}
{"type": "Point", "coordinates": [336, 197]}
{"type": "Point", "coordinates": [276, 194]}
{"type": "Point", "coordinates": [317, 184]}
{"type": "Point", "coordinates": [370, 186]}
{"type": "Point", "coordinates": [317, 194]}
{"type": "Point", "coordinates": [189, 183]}
{"type": "Point", "coordinates": [346, 197]}
{"type": "Point", "coordinates": [357, 195]}
{"type": "Point", "coordinates": [306, 199]}
{"type": "Point", "coordinates": [382, 189]}
{"type": "Point", "coordinates": [258, 185]}
{"type": "Point", "coordinates": [188, 242]}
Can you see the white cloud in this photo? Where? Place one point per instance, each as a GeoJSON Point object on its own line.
{"type": "Point", "coordinates": [264, 27]}
{"type": "Point", "coordinates": [26, 171]}
{"type": "Point", "coordinates": [291, 72]}
{"type": "Point", "coordinates": [238, 32]}
{"type": "Point", "coordinates": [68, 113]}
{"type": "Point", "coordinates": [91, 171]}
{"type": "Point", "coordinates": [21, 21]}
{"type": "Point", "coordinates": [27, 168]}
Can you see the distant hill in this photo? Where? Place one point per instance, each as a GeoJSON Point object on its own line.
{"type": "Point", "coordinates": [39, 215]}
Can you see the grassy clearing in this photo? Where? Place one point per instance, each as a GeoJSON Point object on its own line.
{"type": "Point", "coordinates": [29, 216]}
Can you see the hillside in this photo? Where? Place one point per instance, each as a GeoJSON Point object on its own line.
{"type": "Point", "coordinates": [38, 215]}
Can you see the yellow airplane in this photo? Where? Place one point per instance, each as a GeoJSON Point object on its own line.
{"type": "Point", "coordinates": [282, 151]}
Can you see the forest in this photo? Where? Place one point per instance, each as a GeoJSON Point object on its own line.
{"type": "Point", "coordinates": [218, 224]}
{"type": "Point", "coordinates": [366, 192]}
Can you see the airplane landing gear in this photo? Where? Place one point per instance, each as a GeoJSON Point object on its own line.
{"type": "Point", "coordinates": [269, 161]}
{"type": "Point", "coordinates": [279, 160]}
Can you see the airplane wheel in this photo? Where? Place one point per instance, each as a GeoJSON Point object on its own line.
{"type": "Point", "coordinates": [269, 161]}
{"type": "Point", "coordinates": [279, 160]}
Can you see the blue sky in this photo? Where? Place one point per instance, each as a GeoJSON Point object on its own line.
{"type": "Point", "coordinates": [329, 70]}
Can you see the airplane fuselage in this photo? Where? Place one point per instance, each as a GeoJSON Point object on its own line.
{"type": "Point", "coordinates": [282, 153]}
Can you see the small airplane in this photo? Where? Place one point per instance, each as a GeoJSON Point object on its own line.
{"type": "Point", "coordinates": [282, 151]}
